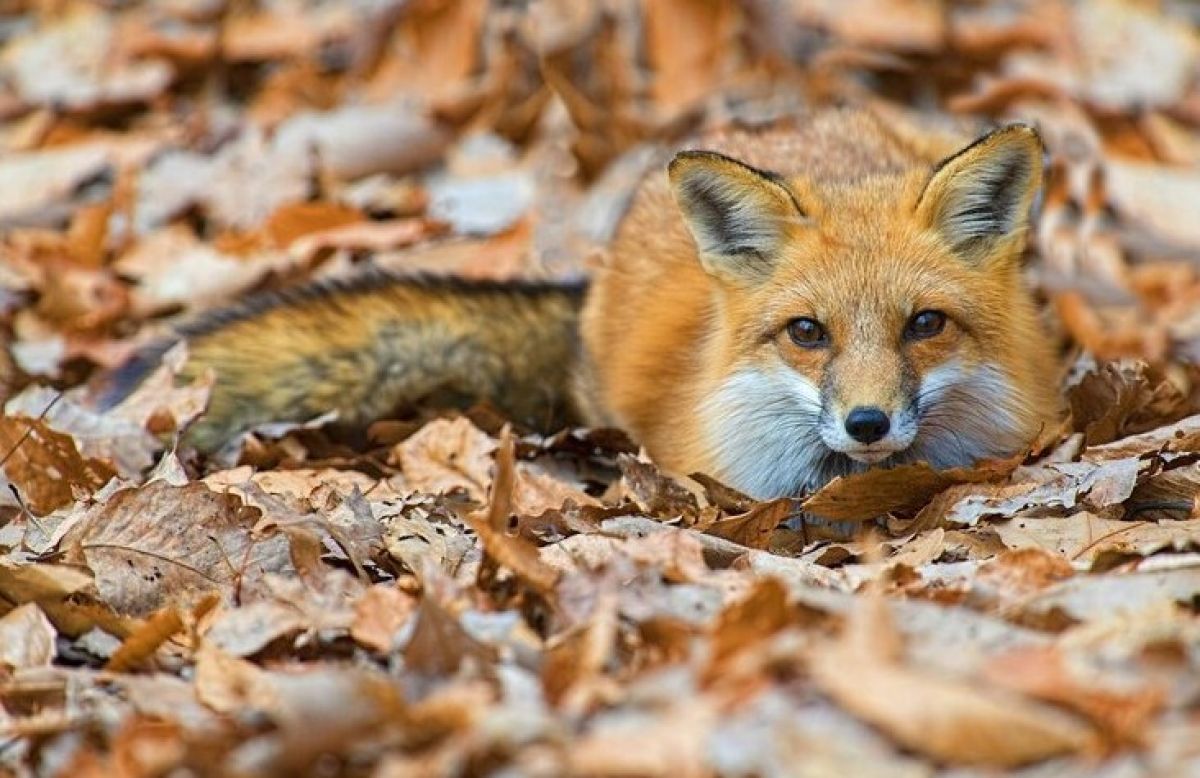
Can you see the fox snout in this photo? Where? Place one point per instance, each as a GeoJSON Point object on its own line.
{"type": "Point", "coordinates": [868, 433]}
{"type": "Point", "coordinates": [867, 396]}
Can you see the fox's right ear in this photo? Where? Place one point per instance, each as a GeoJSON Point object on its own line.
{"type": "Point", "coordinates": [739, 216]}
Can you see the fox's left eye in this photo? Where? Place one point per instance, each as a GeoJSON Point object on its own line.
{"type": "Point", "coordinates": [925, 324]}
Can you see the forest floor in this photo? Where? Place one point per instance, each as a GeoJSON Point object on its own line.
{"type": "Point", "coordinates": [457, 598]}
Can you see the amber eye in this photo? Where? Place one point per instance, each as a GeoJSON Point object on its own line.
{"type": "Point", "coordinates": [807, 333]}
{"type": "Point", "coordinates": [925, 324]}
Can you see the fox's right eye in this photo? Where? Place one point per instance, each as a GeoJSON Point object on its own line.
{"type": "Point", "coordinates": [807, 333]}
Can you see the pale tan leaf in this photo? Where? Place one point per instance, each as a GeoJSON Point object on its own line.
{"type": "Point", "coordinates": [447, 455]}
{"type": "Point", "coordinates": [26, 638]}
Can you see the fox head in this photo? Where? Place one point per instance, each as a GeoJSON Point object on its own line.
{"type": "Point", "coordinates": [869, 321]}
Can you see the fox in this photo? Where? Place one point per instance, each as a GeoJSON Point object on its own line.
{"type": "Point", "coordinates": [777, 308]}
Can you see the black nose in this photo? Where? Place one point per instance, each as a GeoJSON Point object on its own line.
{"type": "Point", "coordinates": [867, 425]}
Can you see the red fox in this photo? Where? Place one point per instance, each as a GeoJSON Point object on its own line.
{"type": "Point", "coordinates": [780, 308]}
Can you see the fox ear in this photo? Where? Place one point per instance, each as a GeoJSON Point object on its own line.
{"type": "Point", "coordinates": [738, 216]}
{"type": "Point", "coordinates": [979, 199]}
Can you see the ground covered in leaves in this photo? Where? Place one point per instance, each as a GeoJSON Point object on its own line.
{"type": "Point", "coordinates": [461, 598]}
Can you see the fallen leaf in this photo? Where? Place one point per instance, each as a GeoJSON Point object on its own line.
{"type": "Point", "coordinates": [141, 644]}
{"type": "Point", "coordinates": [754, 528]}
{"type": "Point", "coordinates": [657, 494]}
{"type": "Point", "coordinates": [536, 491]}
{"type": "Point", "coordinates": [293, 221]}
{"type": "Point", "coordinates": [1123, 718]}
{"type": "Point", "coordinates": [745, 624]}
{"type": "Point", "coordinates": [871, 494]}
{"type": "Point", "coordinates": [159, 545]}
{"type": "Point", "coordinates": [45, 466]}
{"type": "Point", "coordinates": [948, 720]}
{"type": "Point", "coordinates": [1085, 537]}
{"type": "Point", "coordinates": [248, 630]}
{"type": "Point", "coordinates": [26, 638]}
{"type": "Point", "coordinates": [39, 181]}
{"type": "Point", "coordinates": [69, 63]}
{"type": "Point", "coordinates": [445, 456]}
{"type": "Point", "coordinates": [121, 441]}
{"type": "Point", "coordinates": [379, 614]}
{"type": "Point", "coordinates": [439, 645]}
{"type": "Point", "coordinates": [1121, 399]}
{"type": "Point", "coordinates": [515, 553]}
{"type": "Point", "coordinates": [1087, 598]}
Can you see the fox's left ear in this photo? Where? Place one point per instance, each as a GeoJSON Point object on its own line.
{"type": "Point", "coordinates": [740, 217]}
{"type": "Point", "coordinates": [980, 198]}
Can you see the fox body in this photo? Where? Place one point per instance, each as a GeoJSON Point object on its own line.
{"type": "Point", "coordinates": [779, 309]}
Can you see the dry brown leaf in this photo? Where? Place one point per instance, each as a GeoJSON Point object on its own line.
{"type": "Point", "coordinates": [173, 268]}
{"type": "Point", "coordinates": [271, 35]}
{"type": "Point", "coordinates": [1123, 717]}
{"type": "Point", "coordinates": [78, 299]}
{"type": "Point", "coordinates": [33, 183]}
{"type": "Point", "coordinates": [684, 43]}
{"type": "Point", "coordinates": [365, 236]}
{"type": "Point", "coordinates": [379, 614]}
{"type": "Point", "coordinates": [672, 744]}
{"type": "Point", "coordinates": [439, 645]}
{"type": "Point", "coordinates": [45, 466]}
{"type": "Point", "coordinates": [26, 638]}
{"type": "Point", "coordinates": [921, 549]}
{"type": "Point", "coordinates": [69, 63]}
{"type": "Point", "coordinates": [655, 492]}
{"type": "Point", "coordinates": [447, 455]}
{"type": "Point", "coordinates": [745, 624]}
{"type": "Point", "coordinates": [754, 528]}
{"type": "Point", "coordinates": [1085, 537]}
{"type": "Point", "coordinates": [515, 553]}
{"type": "Point", "coordinates": [144, 641]}
{"type": "Point", "coordinates": [1109, 339]}
{"type": "Point", "coordinates": [536, 491]}
{"type": "Point", "coordinates": [159, 544]}
{"type": "Point", "coordinates": [359, 140]}
{"type": "Point", "coordinates": [575, 661]}
{"type": "Point", "coordinates": [901, 25]}
{"type": "Point", "coordinates": [1183, 435]}
{"type": "Point", "coordinates": [1121, 399]}
{"type": "Point", "coordinates": [948, 720]}
{"type": "Point", "coordinates": [245, 631]}
{"type": "Point", "coordinates": [228, 684]}
{"type": "Point", "coordinates": [1092, 597]}
{"type": "Point", "coordinates": [865, 496]}
{"type": "Point", "coordinates": [293, 221]}
{"type": "Point", "coordinates": [1051, 488]}
{"type": "Point", "coordinates": [1024, 571]}
{"type": "Point", "coordinates": [440, 45]}
{"type": "Point", "coordinates": [1157, 198]}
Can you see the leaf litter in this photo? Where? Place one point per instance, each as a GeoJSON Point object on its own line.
{"type": "Point", "coordinates": [453, 597]}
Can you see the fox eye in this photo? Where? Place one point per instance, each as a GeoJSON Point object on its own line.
{"type": "Point", "coordinates": [925, 324]}
{"type": "Point", "coordinates": [807, 333]}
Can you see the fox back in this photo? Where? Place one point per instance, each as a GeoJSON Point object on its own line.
{"type": "Point", "coordinates": [782, 308]}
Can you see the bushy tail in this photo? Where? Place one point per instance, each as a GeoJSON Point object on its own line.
{"type": "Point", "coordinates": [373, 345]}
